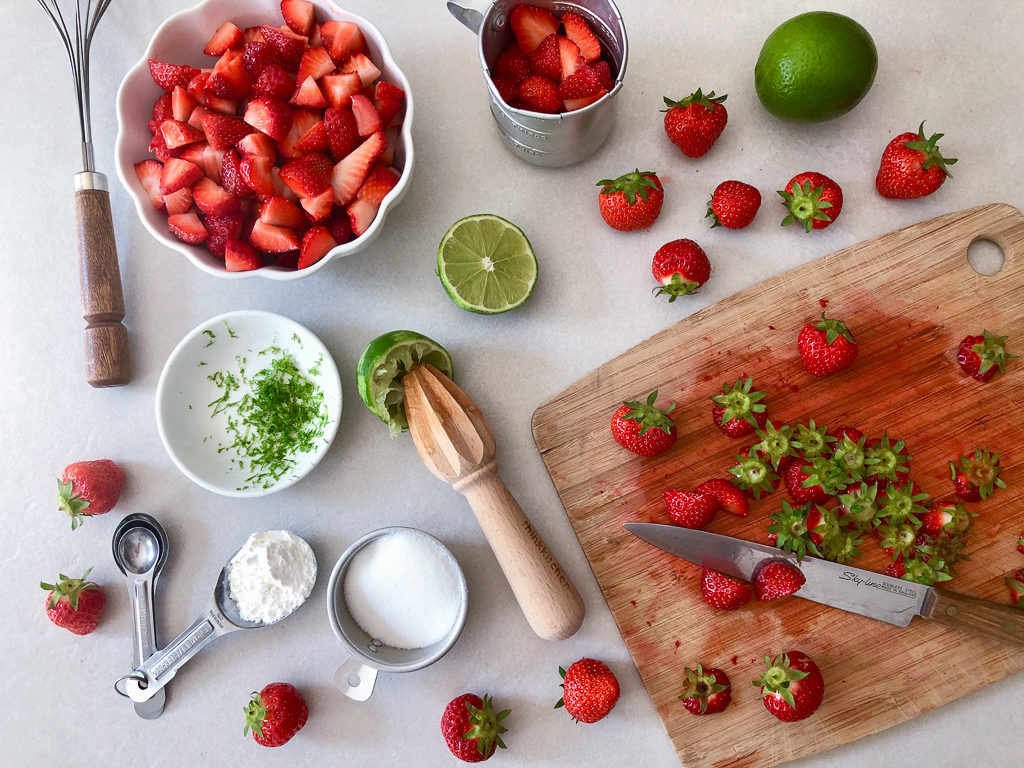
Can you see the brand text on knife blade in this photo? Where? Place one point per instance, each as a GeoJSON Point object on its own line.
{"type": "Point", "coordinates": [895, 589]}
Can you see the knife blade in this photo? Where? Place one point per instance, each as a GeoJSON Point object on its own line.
{"type": "Point", "coordinates": [875, 595]}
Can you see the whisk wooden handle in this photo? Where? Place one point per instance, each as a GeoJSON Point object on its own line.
{"type": "Point", "coordinates": [549, 600]}
{"type": "Point", "coordinates": [107, 356]}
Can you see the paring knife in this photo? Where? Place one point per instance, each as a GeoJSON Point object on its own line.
{"type": "Point", "coordinates": [881, 597]}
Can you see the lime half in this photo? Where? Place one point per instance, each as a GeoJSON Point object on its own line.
{"type": "Point", "coordinates": [486, 264]}
{"type": "Point", "coordinates": [382, 365]}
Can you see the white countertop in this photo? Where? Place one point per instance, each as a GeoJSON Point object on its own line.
{"type": "Point", "coordinates": [960, 72]}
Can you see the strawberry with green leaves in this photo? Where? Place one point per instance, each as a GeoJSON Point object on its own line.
{"type": "Point", "coordinates": [811, 441]}
{"type": "Point", "coordinates": [722, 592]}
{"type": "Point", "coordinates": [733, 205]}
{"type": "Point", "coordinates": [861, 506]}
{"type": "Point", "coordinates": [912, 166]}
{"type": "Point", "coordinates": [705, 691]}
{"type": "Point", "coordinates": [643, 428]}
{"type": "Point", "coordinates": [803, 484]}
{"type": "Point", "coordinates": [776, 444]}
{"type": "Point", "coordinates": [902, 503]}
{"type": "Point", "coordinates": [981, 357]}
{"type": "Point", "coordinates": [471, 728]}
{"type": "Point", "coordinates": [681, 267]}
{"type": "Point", "coordinates": [1015, 584]}
{"type": "Point", "coordinates": [811, 200]}
{"type": "Point", "coordinates": [976, 477]}
{"type": "Point", "coordinates": [589, 690]}
{"type": "Point", "coordinates": [826, 346]}
{"type": "Point", "coordinates": [275, 714]}
{"type": "Point", "coordinates": [89, 488]}
{"type": "Point", "coordinates": [924, 571]}
{"type": "Point", "coordinates": [632, 201]}
{"type": "Point", "coordinates": [738, 411]}
{"type": "Point", "coordinates": [776, 579]}
{"type": "Point", "coordinates": [791, 686]}
{"type": "Point", "coordinates": [753, 475]}
{"type": "Point", "coordinates": [843, 547]}
{"type": "Point", "coordinates": [695, 122]}
{"type": "Point", "coordinates": [75, 604]}
{"type": "Point", "coordinates": [888, 460]}
{"type": "Point", "coordinates": [794, 531]}
{"type": "Point", "coordinates": [949, 517]}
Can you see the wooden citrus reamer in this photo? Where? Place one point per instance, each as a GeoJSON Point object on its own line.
{"type": "Point", "coordinates": [456, 443]}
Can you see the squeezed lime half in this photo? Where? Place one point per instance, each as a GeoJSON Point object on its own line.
{"type": "Point", "coordinates": [382, 365]}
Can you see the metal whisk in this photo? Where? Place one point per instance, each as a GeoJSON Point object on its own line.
{"type": "Point", "coordinates": [107, 357]}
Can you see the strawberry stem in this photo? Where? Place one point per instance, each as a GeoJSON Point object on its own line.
{"type": "Point", "coordinates": [929, 147]}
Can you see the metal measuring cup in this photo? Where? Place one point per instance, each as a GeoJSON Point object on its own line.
{"type": "Point", "coordinates": [368, 655]}
{"type": "Point", "coordinates": [541, 139]}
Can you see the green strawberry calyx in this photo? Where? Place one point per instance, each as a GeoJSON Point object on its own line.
{"type": "Point", "coordinates": [700, 686]}
{"type": "Point", "coordinates": [1015, 584]}
{"type": "Point", "coordinates": [707, 101]}
{"type": "Point", "coordinates": [775, 443]}
{"type": "Point", "coordinates": [805, 205]}
{"type": "Point", "coordinates": [929, 147]}
{"type": "Point", "coordinates": [925, 571]}
{"type": "Point", "coordinates": [739, 402]}
{"type": "Point", "coordinates": [992, 351]}
{"type": "Point", "coordinates": [649, 416]}
{"type": "Point", "coordinates": [790, 527]}
{"type": "Point", "coordinates": [255, 714]}
{"type": "Point", "coordinates": [902, 505]}
{"type": "Point", "coordinates": [842, 547]}
{"type": "Point", "coordinates": [68, 588]}
{"type": "Point", "coordinates": [753, 474]}
{"type": "Point", "coordinates": [901, 538]}
{"type": "Point", "coordinates": [833, 329]}
{"type": "Point", "coordinates": [861, 504]}
{"type": "Point", "coordinates": [777, 678]}
{"type": "Point", "coordinates": [485, 726]}
{"type": "Point", "coordinates": [811, 439]}
{"type": "Point", "coordinates": [634, 184]}
{"type": "Point", "coordinates": [889, 461]}
{"type": "Point", "coordinates": [676, 287]}
{"type": "Point", "coordinates": [71, 503]}
{"type": "Point", "coordinates": [982, 471]}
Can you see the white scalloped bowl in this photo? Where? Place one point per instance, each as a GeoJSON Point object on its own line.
{"type": "Point", "coordinates": [180, 40]}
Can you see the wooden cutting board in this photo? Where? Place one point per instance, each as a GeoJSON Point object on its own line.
{"type": "Point", "coordinates": [910, 297]}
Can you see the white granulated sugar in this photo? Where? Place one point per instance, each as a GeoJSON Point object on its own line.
{"type": "Point", "coordinates": [271, 575]}
{"type": "Point", "coordinates": [402, 589]}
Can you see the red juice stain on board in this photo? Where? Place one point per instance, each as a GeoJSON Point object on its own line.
{"type": "Point", "coordinates": [771, 327]}
{"type": "Point", "coordinates": [823, 303]}
{"type": "Point", "coordinates": [633, 603]}
{"type": "Point", "coordinates": [707, 377]}
{"type": "Point", "coordinates": [735, 660]}
{"type": "Point", "coordinates": [677, 646]}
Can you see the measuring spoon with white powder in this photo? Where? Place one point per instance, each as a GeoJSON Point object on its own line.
{"type": "Point", "coordinates": [264, 582]}
{"type": "Point", "coordinates": [397, 600]}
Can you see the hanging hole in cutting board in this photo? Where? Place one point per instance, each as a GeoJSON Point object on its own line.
{"type": "Point", "coordinates": [985, 257]}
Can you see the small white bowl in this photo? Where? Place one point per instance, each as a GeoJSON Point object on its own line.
{"type": "Point", "coordinates": [180, 40]}
{"type": "Point", "coordinates": [191, 435]}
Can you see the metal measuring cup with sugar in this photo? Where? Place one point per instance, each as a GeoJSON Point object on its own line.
{"type": "Point", "coordinates": [368, 655]}
{"type": "Point", "coordinates": [547, 140]}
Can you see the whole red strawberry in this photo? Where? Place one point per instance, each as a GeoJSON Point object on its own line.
{"type": "Point", "coordinates": [737, 411]}
{"type": "Point", "coordinates": [981, 356]}
{"type": "Point", "coordinates": [75, 604]}
{"type": "Point", "coordinates": [791, 686]}
{"type": "Point", "coordinates": [826, 346]}
{"type": "Point", "coordinates": [976, 477]}
{"type": "Point", "coordinates": [643, 428]}
{"type": "Point", "coordinates": [694, 123]}
{"type": "Point", "coordinates": [275, 714]}
{"type": "Point", "coordinates": [812, 199]}
{"type": "Point", "coordinates": [89, 488]}
{"type": "Point", "coordinates": [471, 729]}
{"type": "Point", "coordinates": [776, 579]}
{"type": "Point", "coordinates": [729, 497]}
{"type": "Point", "coordinates": [690, 510]}
{"type": "Point", "coordinates": [912, 166]}
{"type": "Point", "coordinates": [724, 592]}
{"type": "Point", "coordinates": [733, 205]}
{"type": "Point", "coordinates": [681, 266]}
{"type": "Point", "coordinates": [590, 690]}
{"type": "Point", "coordinates": [632, 201]}
{"type": "Point", "coordinates": [705, 691]}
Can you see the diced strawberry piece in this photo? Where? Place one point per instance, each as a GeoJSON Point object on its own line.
{"type": "Point", "coordinates": [255, 171]}
{"type": "Point", "coordinates": [231, 175]}
{"type": "Point", "coordinates": [299, 15]}
{"type": "Point", "coordinates": [281, 213]}
{"type": "Point", "coordinates": [256, 56]}
{"type": "Point", "coordinates": [569, 57]}
{"type": "Point", "coordinates": [269, 116]}
{"type": "Point", "coordinates": [367, 118]}
{"type": "Point", "coordinates": [194, 153]}
{"type": "Point", "coordinates": [227, 36]}
{"type": "Point", "coordinates": [230, 225]}
{"type": "Point", "coordinates": [342, 39]}
{"type": "Point", "coordinates": [149, 172]}
{"type": "Point", "coordinates": [511, 65]}
{"type": "Point", "coordinates": [361, 64]}
{"type": "Point", "coordinates": [271, 239]}
{"type": "Point", "coordinates": [507, 90]}
{"type": "Point", "coordinates": [178, 173]}
{"type": "Point", "coordinates": [221, 105]}
{"type": "Point", "coordinates": [309, 95]}
{"type": "Point", "coordinates": [223, 132]}
{"type": "Point", "coordinates": [342, 132]}
{"type": "Point", "coordinates": [253, 35]}
{"type": "Point", "coordinates": [169, 75]}
{"type": "Point", "coordinates": [540, 94]}
{"type": "Point", "coordinates": [178, 202]}
{"type": "Point", "coordinates": [315, 245]}
{"type": "Point", "coordinates": [178, 134]}
{"type": "Point", "coordinates": [530, 25]}
{"type": "Point", "coordinates": [377, 185]}
{"type": "Point", "coordinates": [288, 45]}
{"type": "Point", "coordinates": [257, 144]}
{"type": "Point", "coordinates": [274, 82]}
{"type": "Point", "coordinates": [577, 30]}
{"type": "Point", "coordinates": [196, 118]}
{"type": "Point", "coordinates": [582, 101]}
{"type": "Point", "coordinates": [229, 80]}
{"type": "Point", "coordinates": [287, 259]}
{"type": "Point", "coordinates": [213, 162]}
{"type": "Point", "coordinates": [182, 104]}
{"type": "Point", "coordinates": [239, 256]}
{"type": "Point", "coordinates": [163, 107]}
{"type": "Point", "coordinates": [313, 140]}
{"type": "Point", "coordinates": [545, 59]}
{"type": "Point", "coordinates": [197, 85]}
{"type": "Point", "coordinates": [187, 227]}
{"type": "Point", "coordinates": [360, 214]}
{"type": "Point", "coordinates": [351, 171]}
{"type": "Point", "coordinates": [338, 89]}
{"type": "Point", "coordinates": [581, 89]}
{"type": "Point", "coordinates": [391, 135]}
{"type": "Point", "coordinates": [387, 98]}
{"type": "Point", "coordinates": [604, 74]}
{"type": "Point", "coordinates": [212, 199]}
{"type": "Point", "coordinates": [318, 208]}
{"type": "Point", "coordinates": [308, 176]}
{"type": "Point", "coordinates": [280, 188]}
{"type": "Point", "coordinates": [159, 147]}
{"type": "Point", "coordinates": [339, 226]}
{"type": "Point", "coordinates": [316, 62]}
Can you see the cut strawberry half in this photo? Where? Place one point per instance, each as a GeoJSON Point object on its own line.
{"type": "Point", "coordinates": [342, 131]}
{"type": "Point", "coordinates": [577, 30]}
{"type": "Point", "coordinates": [316, 62]}
{"type": "Point", "coordinates": [253, 35]}
{"type": "Point", "coordinates": [315, 245]}
{"type": "Point", "coordinates": [178, 173]}
{"type": "Point", "coordinates": [256, 174]}
{"type": "Point", "coordinates": [545, 60]}
{"type": "Point", "coordinates": [229, 80]}
{"type": "Point", "coordinates": [342, 39]}
{"type": "Point", "coordinates": [569, 57]}
{"type": "Point", "coordinates": [366, 69]}
{"type": "Point", "coordinates": [213, 161]}
{"type": "Point", "coordinates": [308, 176]}
{"type": "Point", "coordinates": [223, 132]}
{"type": "Point", "coordinates": [220, 104]}
{"type": "Point", "coordinates": [377, 185]}
{"type": "Point", "coordinates": [167, 76]}
{"type": "Point", "coordinates": [149, 172]}
{"type": "Point", "coordinates": [387, 99]}
{"type": "Point", "coordinates": [271, 239]}
{"type": "Point", "coordinates": [350, 172]}
{"type": "Point", "coordinates": [281, 213]}
{"type": "Point", "coordinates": [196, 118]}
{"type": "Point", "coordinates": [257, 144]}
{"type": "Point", "coordinates": [318, 208]}
{"type": "Point", "coordinates": [531, 25]}
{"type": "Point", "coordinates": [177, 134]}
{"type": "Point", "coordinates": [581, 89]}
{"type": "Point", "coordinates": [604, 74]}
{"type": "Point", "coordinates": [162, 107]}
{"type": "Point", "coordinates": [194, 153]}
{"type": "Point", "coordinates": [270, 116]}
{"type": "Point", "coordinates": [367, 118]}
{"type": "Point", "coordinates": [187, 227]}
{"type": "Point", "coordinates": [182, 104]}
{"type": "Point", "coordinates": [179, 202]}
{"type": "Point", "coordinates": [309, 95]}
{"type": "Point", "coordinates": [275, 83]}
{"type": "Point", "coordinates": [314, 139]}
{"type": "Point", "coordinates": [299, 15]}
{"type": "Point", "coordinates": [239, 256]}
{"type": "Point", "coordinates": [288, 45]}
{"type": "Point", "coordinates": [338, 89]}
{"type": "Point", "coordinates": [361, 214]}
{"type": "Point", "coordinates": [226, 37]}
{"type": "Point", "coordinates": [256, 56]}
{"type": "Point", "coordinates": [212, 199]}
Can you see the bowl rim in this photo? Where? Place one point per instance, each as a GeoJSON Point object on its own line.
{"type": "Point", "coordinates": [125, 165]}
{"type": "Point", "coordinates": [329, 369]}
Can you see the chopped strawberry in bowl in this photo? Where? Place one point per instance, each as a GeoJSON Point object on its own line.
{"type": "Point", "coordinates": [265, 137]}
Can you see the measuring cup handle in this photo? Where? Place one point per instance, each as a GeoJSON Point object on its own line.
{"type": "Point", "coordinates": [471, 17]}
{"type": "Point", "coordinates": [355, 679]}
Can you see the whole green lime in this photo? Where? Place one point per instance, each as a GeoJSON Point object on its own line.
{"type": "Point", "coordinates": [815, 67]}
